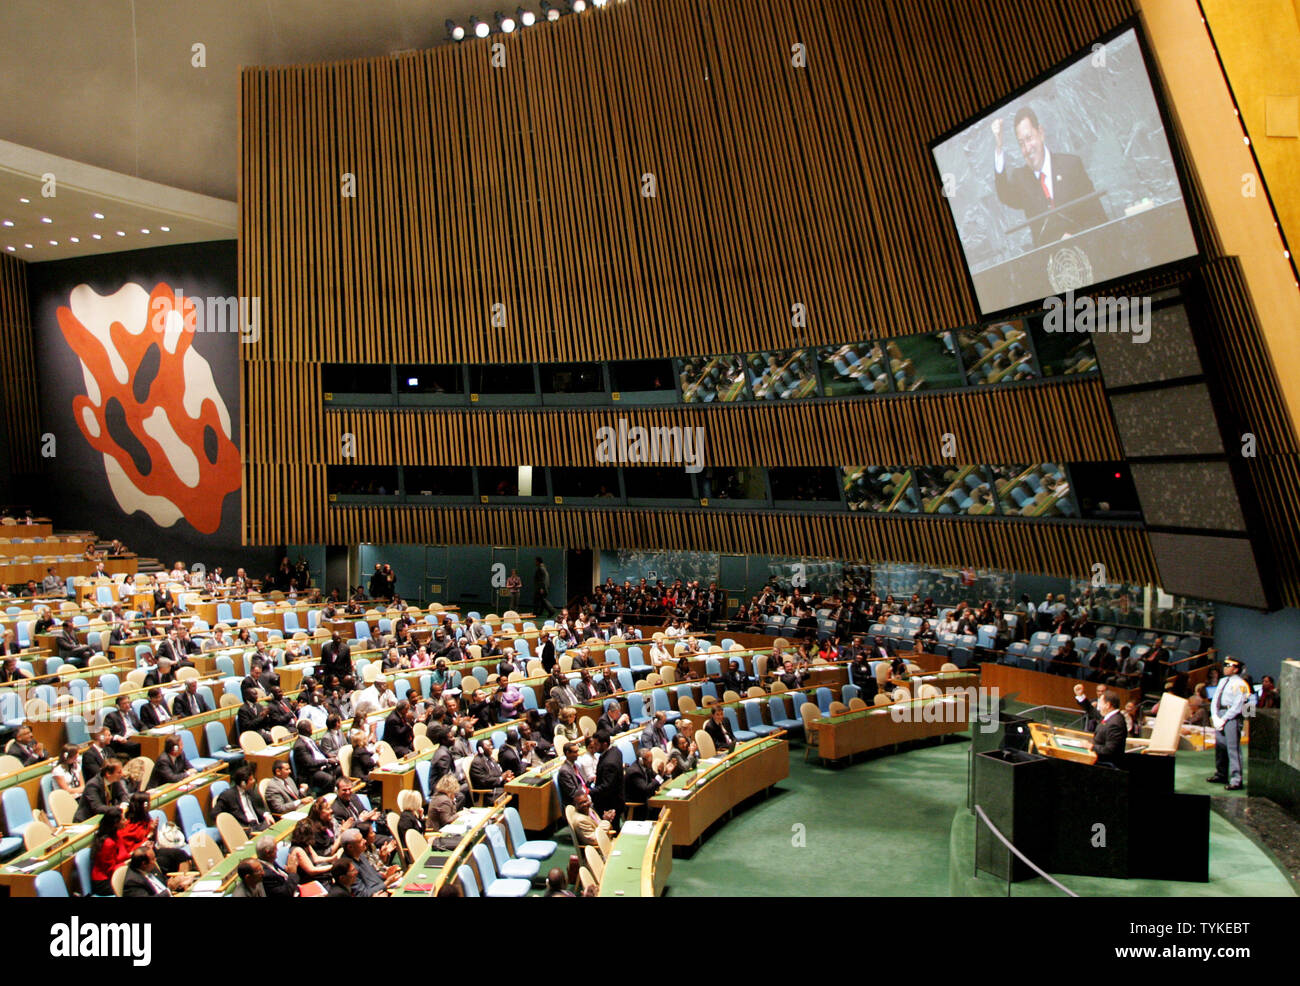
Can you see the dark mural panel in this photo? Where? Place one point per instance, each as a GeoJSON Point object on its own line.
{"type": "Point", "coordinates": [138, 372]}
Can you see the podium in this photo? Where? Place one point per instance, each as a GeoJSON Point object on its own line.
{"type": "Point", "coordinates": [1079, 818]}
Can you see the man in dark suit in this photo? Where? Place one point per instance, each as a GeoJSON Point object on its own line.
{"type": "Point", "coordinates": [25, 747]}
{"type": "Point", "coordinates": [172, 766]}
{"type": "Point", "coordinates": [613, 720]}
{"type": "Point", "coordinates": [154, 713]}
{"type": "Point", "coordinates": [99, 750]}
{"type": "Point", "coordinates": [348, 806]}
{"type": "Point", "coordinates": [102, 792]}
{"type": "Point", "coordinates": [607, 792]}
{"type": "Point", "coordinates": [654, 735]}
{"type": "Point", "coordinates": [343, 877]}
{"type": "Point", "coordinates": [161, 673]}
{"type": "Point", "coordinates": [399, 728]}
{"type": "Point", "coordinates": [1109, 737]}
{"type": "Point", "coordinates": [1046, 184]}
{"type": "Point", "coordinates": [189, 702]}
{"type": "Point", "coordinates": [335, 659]}
{"type": "Point", "coordinates": [251, 716]}
{"type": "Point", "coordinates": [485, 774]}
{"type": "Point", "coordinates": [333, 740]}
{"type": "Point", "coordinates": [608, 683]}
{"type": "Point", "coordinates": [719, 730]}
{"type": "Point", "coordinates": [569, 777]}
{"type": "Point", "coordinates": [71, 649]}
{"type": "Point", "coordinates": [279, 710]}
{"type": "Point", "coordinates": [641, 781]}
{"type": "Point", "coordinates": [312, 765]}
{"type": "Point", "coordinates": [277, 881]}
{"type": "Point", "coordinates": [243, 802]}
{"type": "Point", "coordinates": [143, 877]}
{"type": "Point", "coordinates": [548, 652]}
{"type": "Point", "coordinates": [1156, 670]}
{"type": "Point", "coordinates": [123, 723]}
{"type": "Point", "coordinates": [585, 689]}
{"type": "Point", "coordinates": [510, 757]}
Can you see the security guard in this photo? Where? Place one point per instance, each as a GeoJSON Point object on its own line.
{"type": "Point", "coordinates": [1231, 702]}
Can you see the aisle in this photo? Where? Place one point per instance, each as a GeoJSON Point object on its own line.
{"type": "Point", "coordinates": [879, 827]}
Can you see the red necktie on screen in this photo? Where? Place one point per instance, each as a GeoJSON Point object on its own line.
{"type": "Point", "coordinates": [1047, 192]}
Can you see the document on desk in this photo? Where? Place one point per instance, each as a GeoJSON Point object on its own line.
{"type": "Point", "coordinates": [638, 828]}
{"type": "Point", "coordinates": [676, 792]}
{"type": "Point", "coordinates": [296, 816]}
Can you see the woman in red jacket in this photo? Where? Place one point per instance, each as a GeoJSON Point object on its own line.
{"type": "Point", "coordinates": [107, 852]}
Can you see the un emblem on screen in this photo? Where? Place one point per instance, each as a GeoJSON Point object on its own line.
{"type": "Point", "coordinates": [1068, 269]}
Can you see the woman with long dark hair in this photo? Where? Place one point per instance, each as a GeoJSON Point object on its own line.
{"type": "Point", "coordinates": [106, 853]}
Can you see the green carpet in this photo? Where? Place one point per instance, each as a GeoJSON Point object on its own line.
{"type": "Point", "coordinates": [882, 826]}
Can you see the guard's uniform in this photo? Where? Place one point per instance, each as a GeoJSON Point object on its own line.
{"type": "Point", "coordinates": [1231, 701]}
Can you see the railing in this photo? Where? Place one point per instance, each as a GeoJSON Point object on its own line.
{"type": "Point", "coordinates": [979, 811]}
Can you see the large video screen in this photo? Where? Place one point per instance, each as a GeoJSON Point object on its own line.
{"type": "Point", "coordinates": [1070, 184]}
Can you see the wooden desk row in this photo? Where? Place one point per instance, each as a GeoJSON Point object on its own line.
{"type": "Point", "coordinates": [18, 876]}
{"type": "Point", "coordinates": [692, 802]}
{"type": "Point", "coordinates": [843, 735]}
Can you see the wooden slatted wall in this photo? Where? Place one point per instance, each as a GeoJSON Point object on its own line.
{"type": "Point", "coordinates": [994, 427]}
{"type": "Point", "coordinates": [521, 187]}
{"type": "Point", "coordinates": [18, 368]}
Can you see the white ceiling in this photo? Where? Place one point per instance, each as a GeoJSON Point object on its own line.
{"type": "Point", "coordinates": [110, 82]}
{"type": "Point", "coordinates": [52, 208]}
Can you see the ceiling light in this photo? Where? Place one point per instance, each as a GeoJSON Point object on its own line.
{"type": "Point", "coordinates": [165, 229]}
{"type": "Point", "coordinates": [23, 200]}
{"type": "Point", "coordinates": [481, 30]}
{"type": "Point", "coordinates": [10, 249]}
{"type": "Point", "coordinates": [505, 23]}
{"type": "Point", "coordinates": [54, 242]}
{"type": "Point", "coordinates": [526, 18]}
{"type": "Point", "coordinates": [95, 236]}
{"type": "Point", "coordinates": [27, 245]}
{"type": "Point", "coordinates": [455, 31]}
{"type": "Point", "coordinates": [99, 215]}
{"type": "Point", "coordinates": [551, 11]}
{"type": "Point", "coordinates": [46, 219]}
{"type": "Point", "coordinates": [145, 232]}
{"type": "Point", "coordinates": [9, 222]}
{"type": "Point", "coordinates": [74, 239]}
{"type": "Point", "coordinates": [600, 3]}
{"type": "Point", "coordinates": [578, 5]}
{"type": "Point", "coordinates": [120, 233]}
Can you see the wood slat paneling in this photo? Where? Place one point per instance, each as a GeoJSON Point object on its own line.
{"type": "Point", "coordinates": [18, 369]}
{"type": "Point", "coordinates": [1066, 422]}
{"type": "Point", "coordinates": [521, 186]}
